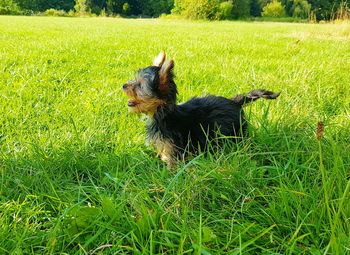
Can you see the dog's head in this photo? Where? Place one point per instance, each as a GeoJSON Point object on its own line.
{"type": "Point", "coordinates": [153, 87]}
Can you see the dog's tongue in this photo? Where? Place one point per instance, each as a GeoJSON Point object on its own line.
{"type": "Point", "coordinates": [132, 103]}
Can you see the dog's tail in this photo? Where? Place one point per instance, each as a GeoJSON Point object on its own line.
{"type": "Point", "coordinates": [254, 95]}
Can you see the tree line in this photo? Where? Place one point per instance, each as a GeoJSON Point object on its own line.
{"type": "Point", "coordinates": [195, 9]}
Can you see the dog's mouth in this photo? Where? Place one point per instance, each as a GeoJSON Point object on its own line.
{"type": "Point", "coordinates": [132, 103]}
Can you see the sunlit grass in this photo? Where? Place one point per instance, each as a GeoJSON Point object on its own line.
{"type": "Point", "coordinates": [77, 178]}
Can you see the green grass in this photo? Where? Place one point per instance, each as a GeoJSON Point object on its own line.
{"type": "Point", "coordinates": [77, 178]}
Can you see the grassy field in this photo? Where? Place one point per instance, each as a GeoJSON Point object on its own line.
{"type": "Point", "coordinates": [77, 178]}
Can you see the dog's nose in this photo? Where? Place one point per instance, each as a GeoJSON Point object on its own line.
{"type": "Point", "coordinates": [125, 86]}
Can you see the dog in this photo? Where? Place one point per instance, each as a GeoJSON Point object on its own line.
{"type": "Point", "coordinates": [177, 130]}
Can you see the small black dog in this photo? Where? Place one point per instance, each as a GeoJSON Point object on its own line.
{"type": "Point", "coordinates": [176, 130]}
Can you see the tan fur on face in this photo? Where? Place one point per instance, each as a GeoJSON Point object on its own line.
{"type": "Point", "coordinates": [129, 91]}
{"type": "Point", "coordinates": [145, 104]}
{"type": "Point", "coordinates": [148, 106]}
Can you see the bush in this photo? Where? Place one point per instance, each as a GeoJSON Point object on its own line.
{"type": "Point", "coordinates": [178, 7]}
{"type": "Point", "coordinates": [225, 10]}
{"type": "Point", "coordinates": [8, 7]}
{"type": "Point", "coordinates": [274, 9]}
{"type": "Point", "coordinates": [54, 12]}
{"type": "Point", "coordinates": [198, 9]}
{"type": "Point", "coordinates": [95, 10]}
{"type": "Point", "coordinates": [204, 9]}
{"type": "Point", "coordinates": [81, 7]}
{"type": "Point", "coordinates": [301, 9]}
{"type": "Point", "coordinates": [103, 13]}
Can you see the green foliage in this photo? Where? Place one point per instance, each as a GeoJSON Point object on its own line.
{"type": "Point", "coordinates": [297, 8]}
{"type": "Point", "coordinates": [255, 8]}
{"type": "Point", "coordinates": [81, 7]}
{"type": "Point", "coordinates": [109, 7]}
{"type": "Point", "coordinates": [154, 8]}
{"type": "Point", "coordinates": [178, 7]}
{"type": "Point", "coordinates": [126, 8]}
{"type": "Point", "coordinates": [204, 9]}
{"type": "Point", "coordinates": [274, 9]}
{"type": "Point", "coordinates": [241, 8]}
{"type": "Point", "coordinates": [198, 9]}
{"type": "Point", "coordinates": [54, 12]}
{"type": "Point", "coordinates": [212, 9]}
{"type": "Point", "coordinates": [95, 10]}
{"type": "Point", "coordinates": [71, 13]}
{"type": "Point", "coordinates": [324, 9]}
{"type": "Point", "coordinates": [225, 10]}
{"type": "Point", "coordinates": [301, 9]}
{"type": "Point", "coordinates": [9, 7]}
{"type": "Point", "coordinates": [42, 5]}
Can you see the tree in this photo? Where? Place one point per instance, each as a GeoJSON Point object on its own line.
{"type": "Point", "coordinates": [109, 7]}
{"type": "Point", "coordinates": [241, 8]}
{"type": "Point", "coordinates": [43, 5]}
{"type": "Point", "coordinates": [301, 9]}
{"type": "Point", "coordinates": [255, 8]}
{"type": "Point", "coordinates": [154, 8]}
{"type": "Point", "coordinates": [9, 7]}
{"type": "Point", "coordinates": [225, 10]}
{"type": "Point", "coordinates": [81, 7]}
{"type": "Point", "coordinates": [97, 6]}
{"type": "Point", "coordinates": [274, 9]}
{"type": "Point", "coordinates": [324, 9]}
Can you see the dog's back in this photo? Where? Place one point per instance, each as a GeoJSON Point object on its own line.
{"type": "Point", "coordinates": [200, 120]}
{"type": "Point", "coordinates": [191, 125]}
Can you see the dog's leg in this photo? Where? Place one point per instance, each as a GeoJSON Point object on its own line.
{"type": "Point", "coordinates": [166, 151]}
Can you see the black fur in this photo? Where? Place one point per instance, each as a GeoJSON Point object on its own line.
{"type": "Point", "coordinates": [151, 75]}
{"type": "Point", "coordinates": [188, 127]}
{"type": "Point", "coordinates": [192, 124]}
{"type": "Point", "coordinates": [254, 95]}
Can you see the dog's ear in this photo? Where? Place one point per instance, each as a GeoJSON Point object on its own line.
{"type": "Point", "coordinates": [165, 75]}
{"type": "Point", "coordinates": [159, 60]}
